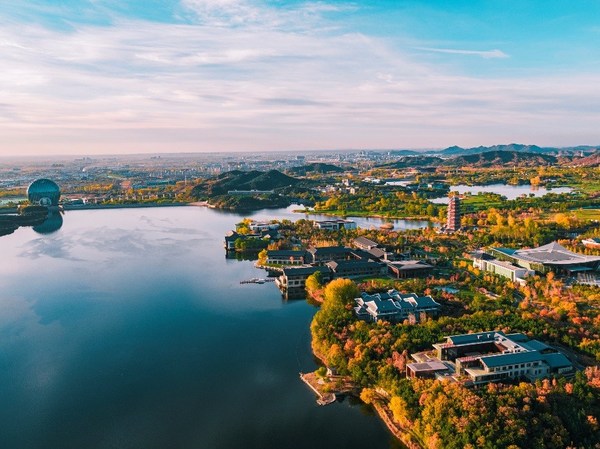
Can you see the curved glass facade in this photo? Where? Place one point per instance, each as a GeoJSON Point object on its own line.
{"type": "Point", "coordinates": [43, 192]}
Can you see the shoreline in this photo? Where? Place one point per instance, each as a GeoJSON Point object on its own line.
{"type": "Point", "coordinates": [357, 214]}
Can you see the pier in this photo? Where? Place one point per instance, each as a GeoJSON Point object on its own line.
{"type": "Point", "coordinates": [257, 281]}
{"type": "Point", "coordinates": [326, 388]}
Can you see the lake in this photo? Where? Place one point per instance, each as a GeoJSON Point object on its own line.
{"type": "Point", "coordinates": [128, 328]}
{"type": "Point", "coordinates": [509, 191]}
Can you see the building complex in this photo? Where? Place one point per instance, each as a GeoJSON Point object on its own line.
{"type": "Point", "coordinates": [492, 356]}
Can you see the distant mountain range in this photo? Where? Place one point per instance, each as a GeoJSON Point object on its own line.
{"type": "Point", "coordinates": [415, 161]}
{"type": "Point", "coordinates": [516, 147]}
{"type": "Point", "coordinates": [502, 157]}
{"type": "Point", "coordinates": [485, 159]}
{"type": "Point", "coordinates": [316, 167]}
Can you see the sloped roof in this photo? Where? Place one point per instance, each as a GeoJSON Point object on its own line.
{"type": "Point", "coordinates": [365, 241]}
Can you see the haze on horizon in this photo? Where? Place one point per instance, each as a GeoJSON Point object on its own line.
{"type": "Point", "coordinates": [123, 77]}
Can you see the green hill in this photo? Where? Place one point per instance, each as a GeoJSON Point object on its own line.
{"type": "Point", "coordinates": [502, 158]}
{"type": "Point", "coordinates": [242, 180]}
{"type": "Point", "coordinates": [316, 167]}
{"type": "Point", "coordinates": [414, 161]}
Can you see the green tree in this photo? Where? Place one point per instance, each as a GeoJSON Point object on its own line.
{"type": "Point", "coordinates": [314, 282]}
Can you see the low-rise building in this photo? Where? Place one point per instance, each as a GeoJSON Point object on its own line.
{"type": "Point", "coordinates": [409, 268]}
{"type": "Point", "coordinates": [356, 268]}
{"type": "Point", "coordinates": [262, 226]}
{"type": "Point", "coordinates": [485, 262]}
{"type": "Point", "coordinates": [230, 239]}
{"type": "Point", "coordinates": [365, 243]}
{"type": "Point", "coordinates": [286, 257]}
{"type": "Point", "coordinates": [335, 225]}
{"type": "Point", "coordinates": [550, 257]}
{"type": "Point", "coordinates": [394, 306]}
{"type": "Point", "coordinates": [295, 277]}
{"type": "Point", "coordinates": [492, 356]}
{"type": "Point", "coordinates": [325, 254]}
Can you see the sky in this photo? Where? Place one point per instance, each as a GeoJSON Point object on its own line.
{"type": "Point", "coordinates": [125, 76]}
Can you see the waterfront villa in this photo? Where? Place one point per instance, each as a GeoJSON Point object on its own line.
{"type": "Point", "coordinates": [335, 225]}
{"type": "Point", "coordinates": [286, 257]}
{"type": "Point", "coordinates": [262, 226]}
{"type": "Point", "coordinates": [295, 277]}
{"type": "Point", "coordinates": [491, 356]}
{"type": "Point", "coordinates": [394, 306]}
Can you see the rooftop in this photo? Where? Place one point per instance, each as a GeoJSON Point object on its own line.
{"type": "Point", "coordinates": [552, 254]}
{"type": "Point", "coordinates": [363, 241]}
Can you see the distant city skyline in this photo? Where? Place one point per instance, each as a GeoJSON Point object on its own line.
{"type": "Point", "coordinates": [119, 77]}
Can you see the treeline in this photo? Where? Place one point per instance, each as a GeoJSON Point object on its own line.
{"type": "Point", "coordinates": [548, 414]}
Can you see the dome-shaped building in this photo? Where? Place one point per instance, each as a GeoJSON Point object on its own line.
{"type": "Point", "coordinates": [43, 192]}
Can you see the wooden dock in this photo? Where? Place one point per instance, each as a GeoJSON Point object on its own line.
{"type": "Point", "coordinates": [258, 281]}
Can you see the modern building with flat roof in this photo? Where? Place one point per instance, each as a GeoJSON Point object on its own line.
{"type": "Point", "coordinates": [335, 225]}
{"type": "Point", "coordinates": [409, 268]}
{"type": "Point", "coordinates": [550, 257]}
{"type": "Point", "coordinates": [485, 262]}
{"type": "Point", "coordinates": [493, 356]}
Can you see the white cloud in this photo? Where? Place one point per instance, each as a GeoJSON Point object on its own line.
{"type": "Point", "coordinates": [486, 54]}
{"type": "Point", "coordinates": [234, 85]}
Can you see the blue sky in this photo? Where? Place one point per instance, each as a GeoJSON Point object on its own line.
{"type": "Point", "coordinates": [115, 76]}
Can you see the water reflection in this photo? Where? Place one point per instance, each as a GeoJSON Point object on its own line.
{"type": "Point", "coordinates": [43, 220]}
{"type": "Point", "coordinates": [128, 328]}
{"type": "Point", "coordinates": [53, 223]}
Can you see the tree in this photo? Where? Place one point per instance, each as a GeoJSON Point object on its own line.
{"type": "Point", "coordinates": [341, 291]}
{"type": "Point", "coordinates": [262, 257]}
{"type": "Point", "coordinates": [314, 282]}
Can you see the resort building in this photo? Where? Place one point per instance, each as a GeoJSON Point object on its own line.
{"type": "Point", "coordinates": [295, 277]}
{"type": "Point", "coordinates": [325, 254]}
{"type": "Point", "coordinates": [485, 262]}
{"type": "Point", "coordinates": [394, 306]}
{"type": "Point", "coordinates": [356, 268]}
{"type": "Point", "coordinates": [230, 239]}
{"type": "Point", "coordinates": [335, 225]}
{"type": "Point", "coordinates": [453, 222]}
{"type": "Point", "coordinates": [286, 257]}
{"type": "Point", "coordinates": [550, 257]}
{"type": "Point", "coordinates": [492, 356]}
{"type": "Point", "coordinates": [409, 269]}
{"type": "Point", "coordinates": [263, 226]}
{"type": "Point", "coordinates": [365, 243]}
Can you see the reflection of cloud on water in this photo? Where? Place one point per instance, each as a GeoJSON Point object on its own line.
{"type": "Point", "coordinates": [57, 248]}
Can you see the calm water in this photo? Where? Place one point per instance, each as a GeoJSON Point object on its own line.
{"type": "Point", "coordinates": [129, 329]}
{"type": "Point", "coordinates": [509, 191]}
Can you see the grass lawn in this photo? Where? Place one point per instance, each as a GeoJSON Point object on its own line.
{"type": "Point", "coordinates": [586, 214]}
